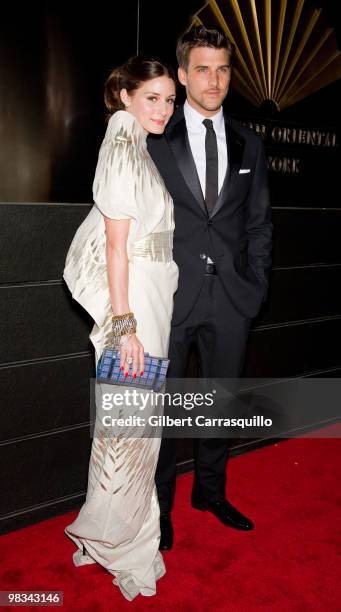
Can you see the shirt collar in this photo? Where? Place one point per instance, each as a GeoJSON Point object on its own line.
{"type": "Point", "coordinates": [194, 119]}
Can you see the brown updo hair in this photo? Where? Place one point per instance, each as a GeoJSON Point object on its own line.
{"type": "Point", "coordinates": [129, 76]}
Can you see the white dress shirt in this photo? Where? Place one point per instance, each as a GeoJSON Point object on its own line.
{"type": "Point", "coordinates": [197, 134]}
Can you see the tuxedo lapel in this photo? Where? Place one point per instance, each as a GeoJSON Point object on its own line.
{"type": "Point", "coordinates": [177, 139]}
{"type": "Point", "coordinates": [235, 151]}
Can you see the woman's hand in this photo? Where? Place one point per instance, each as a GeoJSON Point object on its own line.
{"type": "Point", "coordinates": [132, 355]}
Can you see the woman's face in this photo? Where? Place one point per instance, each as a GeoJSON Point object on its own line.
{"type": "Point", "coordinates": [152, 103]}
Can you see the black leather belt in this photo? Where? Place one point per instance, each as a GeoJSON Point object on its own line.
{"type": "Point", "coordinates": [210, 269]}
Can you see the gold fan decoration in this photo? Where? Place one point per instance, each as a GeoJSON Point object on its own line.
{"type": "Point", "coordinates": [283, 49]}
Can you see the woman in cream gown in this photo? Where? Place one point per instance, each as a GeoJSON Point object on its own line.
{"type": "Point", "coordinates": [118, 525]}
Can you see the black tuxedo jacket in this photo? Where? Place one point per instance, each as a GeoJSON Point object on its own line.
{"type": "Point", "coordinates": [237, 234]}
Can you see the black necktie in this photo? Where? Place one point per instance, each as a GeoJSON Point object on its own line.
{"type": "Point", "coordinates": [211, 188]}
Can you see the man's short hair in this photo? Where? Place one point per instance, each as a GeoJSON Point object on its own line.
{"type": "Point", "coordinates": [199, 36]}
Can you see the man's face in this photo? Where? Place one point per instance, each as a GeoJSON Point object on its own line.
{"type": "Point", "coordinates": [206, 79]}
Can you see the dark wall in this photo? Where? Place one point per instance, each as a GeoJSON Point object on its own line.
{"type": "Point", "coordinates": [46, 359]}
{"type": "Point", "coordinates": [54, 59]}
{"type": "Point", "coordinates": [53, 72]}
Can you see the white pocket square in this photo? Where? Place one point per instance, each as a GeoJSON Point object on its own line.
{"type": "Point", "coordinates": [244, 170]}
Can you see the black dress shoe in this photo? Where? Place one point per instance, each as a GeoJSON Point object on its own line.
{"type": "Point", "coordinates": [226, 513]}
{"type": "Point", "coordinates": [167, 532]}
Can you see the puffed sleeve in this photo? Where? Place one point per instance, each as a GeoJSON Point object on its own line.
{"type": "Point", "coordinates": [117, 171]}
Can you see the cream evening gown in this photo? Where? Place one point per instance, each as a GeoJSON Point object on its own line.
{"type": "Point", "coordinates": [119, 521]}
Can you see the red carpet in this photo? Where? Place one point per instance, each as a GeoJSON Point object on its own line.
{"type": "Point", "coordinates": [290, 562]}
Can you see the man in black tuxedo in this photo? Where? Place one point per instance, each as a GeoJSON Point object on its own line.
{"type": "Point", "coordinates": [215, 170]}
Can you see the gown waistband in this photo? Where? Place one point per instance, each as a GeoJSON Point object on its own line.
{"type": "Point", "coordinates": [155, 247]}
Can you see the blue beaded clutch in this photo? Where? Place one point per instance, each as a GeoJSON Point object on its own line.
{"type": "Point", "coordinates": [154, 374]}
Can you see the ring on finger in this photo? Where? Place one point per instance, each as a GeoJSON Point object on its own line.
{"type": "Point", "coordinates": [129, 360]}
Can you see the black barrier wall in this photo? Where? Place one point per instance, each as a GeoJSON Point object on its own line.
{"type": "Point", "coordinates": [47, 360]}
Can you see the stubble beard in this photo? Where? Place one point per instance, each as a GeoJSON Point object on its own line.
{"type": "Point", "coordinates": [207, 106]}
